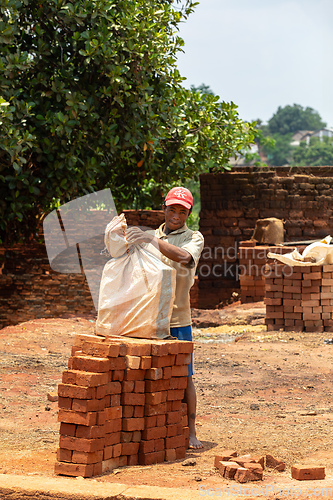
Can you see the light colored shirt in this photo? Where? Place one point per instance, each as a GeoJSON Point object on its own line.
{"type": "Point", "coordinates": [192, 242]}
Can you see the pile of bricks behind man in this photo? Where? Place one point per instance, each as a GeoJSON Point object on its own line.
{"type": "Point", "coordinates": [252, 260]}
{"type": "Point", "coordinates": [232, 202]}
{"type": "Point", "coordinates": [299, 298]}
{"type": "Point", "coordinates": [120, 403]}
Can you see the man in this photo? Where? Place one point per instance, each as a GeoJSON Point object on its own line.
{"type": "Point", "coordinates": [181, 249]}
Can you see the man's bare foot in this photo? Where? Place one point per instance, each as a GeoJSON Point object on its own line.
{"type": "Point", "coordinates": [194, 443]}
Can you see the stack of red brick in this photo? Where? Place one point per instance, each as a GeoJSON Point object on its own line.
{"type": "Point", "coordinates": [245, 468]}
{"type": "Point", "coordinates": [299, 298]}
{"type": "Point", "coordinates": [120, 403]}
{"type": "Point", "coordinates": [251, 269]}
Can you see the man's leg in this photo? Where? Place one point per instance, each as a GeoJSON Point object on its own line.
{"type": "Point", "coordinates": [191, 400]}
{"type": "Point", "coordinates": [190, 397]}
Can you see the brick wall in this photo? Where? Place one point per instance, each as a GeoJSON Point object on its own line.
{"type": "Point", "coordinates": [231, 203]}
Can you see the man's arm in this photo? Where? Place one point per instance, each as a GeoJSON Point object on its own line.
{"type": "Point", "coordinates": [134, 235]}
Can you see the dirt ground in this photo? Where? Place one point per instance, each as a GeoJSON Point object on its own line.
{"type": "Point", "coordinates": [258, 392]}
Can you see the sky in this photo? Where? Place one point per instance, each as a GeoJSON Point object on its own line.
{"type": "Point", "coordinates": [262, 54]}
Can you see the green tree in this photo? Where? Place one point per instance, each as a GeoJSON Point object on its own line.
{"type": "Point", "coordinates": [278, 150]}
{"type": "Point", "coordinates": [290, 119]}
{"type": "Point", "coordinates": [92, 98]}
{"type": "Point", "coordinates": [317, 153]}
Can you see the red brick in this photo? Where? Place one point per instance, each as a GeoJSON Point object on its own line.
{"type": "Point", "coordinates": [65, 403]}
{"type": "Point", "coordinates": [133, 398]}
{"type": "Point", "coordinates": [175, 441]}
{"type": "Point", "coordinates": [230, 469]}
{"type": "Point", "coordinates": [154, 374]}
{"type": "Point", "coordinates": [73, 391]}
{"type": "Point", "coordinates": [274, 463]}
{"type": "Point", "coordinates": [112, 426]}
{"type": "Point", "coordinates": [64, 455]}
{"type": "Point", "coordinates": [132, 460]}
{"type": "Point", "coordinates": [129, 448]}
{"type": "Point", "coordinates": [113, 412]}
{"type": "Point", "coordinates": [127, 386]}
{"type": "Point", "coordinates": [139, 386]}
{"type": "Point", "coordinates": [180, 452]}
{"type": "Point", "coordinates": [162, 361]}
{"type": "Point", "coordinates": [133, 424]}
{"type": "Point", "coordinates": [174, 430]}
{"type": "Point", "coordinates": [302, 473]}
{"type": "Point", "coordinates": [150, 421]}
{"type": "Point", "coordinates": [100, 417]}
{"type": "Point", "coordinates": [115, 400]}
{"type": "Point", "coordinates": [118, 375]}
{"type": "Point", "coordinates": [154, 433]}
{"type": "Point", "coordinates": [134, 374]}
{"type": "Point", "coordinates": [94, 431]}
{"type": "Point", "coordinates": [80, 457]}
{"type": "Point", "coordinates": [139, 348]}
{"type": "Point", "coordinates": [109, 465]}
{"type": "Point", "coordinates": [74, 417]}
{"type": "Point", "coordinates": [67, 429]}
{"type": "Point", "coordinates": [86, 405]}
{"type": "Point", "coordinates": [185, 347]}
{"type": "Point", "coordinates": [80, 444]}
{"type": "Point", "coordinates": [117, 363]}
{"type": "Point", "coordinates": [243, 475]}
{"type": "Point", "coordinates": [151, 458]}
{"type": "Point", "coordinates": [272, 302]}
{"type": "Point", "coordinates": [67, 469]}
{"type": "Point", "coordinates": [180, 371]}
{"type": "Point", "coordinates": [128, 411]}
{"type": "Point", "coordinates": [100, 349]}
{"type": "Point", "coordinates": [90, 364]}
{"type": "Point", "coordinates": [173, 417]}
{"type": "Point", "coordinates": [225, 456]}
{"type": "Point", "coordinates": [145, 362]}
{"type": "Point", "coordinates": [147, 446]}
{"type": "Point", "coordinates": [117, 448]}
{"type": "Point", "coordinates": [167, 372]}
{"type": "Point", "coordinates": [90, 379]}
{"type": "Point", "coordinates": [112, 438]}
{"type": "Point", "coordinates": [155, 409]}
{"type": "Point", "coordinates": [170, 455]}
{"type": "Point", "coordinates": [139, 412]}
{"type": "Point", "coordinates": [160, 420]}
{"type": "Point", "coordinates": [69, 377]}
{"type": "Point", "coordinates": [175, 394]}
{"type": "Point", "coordinates": [155, 398]}
{"type": "Point", "coordinates": [133, 362]}
{"type": "Point", "coordinates": [160, 348]}
{"type": "Point", "coordinates": [108, 452]}
{"type": "Point", "coordinates": [157, 385]}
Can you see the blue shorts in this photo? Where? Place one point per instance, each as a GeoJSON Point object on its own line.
{"type": "Point", "coordinates": [184, 333]}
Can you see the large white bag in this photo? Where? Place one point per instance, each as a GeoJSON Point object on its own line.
{"type": "Point", "coordinates": [315, 254]}
{"type": "Point", "coordinates": [137, 289]}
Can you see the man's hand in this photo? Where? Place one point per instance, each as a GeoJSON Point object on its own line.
{"type": "Point", "coordinates": [135, 236]}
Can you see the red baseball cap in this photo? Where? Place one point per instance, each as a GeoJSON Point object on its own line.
{"type": "Point", "coordinates": [179, 196]}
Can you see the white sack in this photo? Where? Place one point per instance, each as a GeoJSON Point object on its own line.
{"type": "Point", "coordinates": [137, 289]}
{"type": "Point", "coordinates": [316, 254]}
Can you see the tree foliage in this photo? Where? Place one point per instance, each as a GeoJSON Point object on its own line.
{"type": "Point", "coordinates": [92, 98]}
{"type": "Point", "coordinates": [317, 153]}
{"type": "Point", "coordinates": [290, 119]}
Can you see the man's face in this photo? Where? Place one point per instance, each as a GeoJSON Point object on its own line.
{"type": "Point", "coordinates": [175, 216]}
